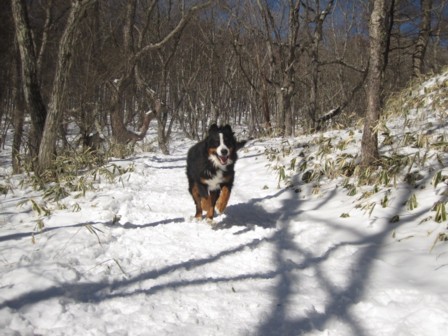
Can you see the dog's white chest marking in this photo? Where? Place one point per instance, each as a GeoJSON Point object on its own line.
{"type": "Point", "coordinates": [215, 181]}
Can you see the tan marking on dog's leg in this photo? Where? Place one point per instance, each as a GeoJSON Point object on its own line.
{"type": "Point", "coordinates": [211, 203]}
{"type": "Point", "coordinates": [197, 201]}
{"type": "Point", "coordinates": [223, 199]}
{"type": "Point", "coordinates": [205, 204]}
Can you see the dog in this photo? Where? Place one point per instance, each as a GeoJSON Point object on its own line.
{"type": "Point", "coordinates": [211, 170]}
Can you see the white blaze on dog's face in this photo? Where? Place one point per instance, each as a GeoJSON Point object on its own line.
{"type": "Point", "coordinates": [220, 155]}
{"type": "Point", "coordinates": [222, 150]}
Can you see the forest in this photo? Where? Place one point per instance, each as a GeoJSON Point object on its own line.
{"type": "Point", "coordinates": [82, 75]}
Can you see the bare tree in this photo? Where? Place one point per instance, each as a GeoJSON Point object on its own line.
{"type": "Point", "coordinates": [253, 64]}
{"type": "Point", "coordinates": [283, 57]}
{"type": "Point", "coordinates": [316, 37]}
{"type": "Point", "coordinates": [47, 147]}
{"type": "Point", "coordinates": [45, 32]}
{"type": "Point", "coordinates": [378, 37]}
{"type": "Point", "coordinates": [423, 38]}
{"type": "Point", "coordinates": [135, 53]}
{"type": "Point", "coordinates": [440, 32]}
{"type": "Point", "coordinates": [18, 119]}
{"type": "Point", "coordinates": [30, 84]}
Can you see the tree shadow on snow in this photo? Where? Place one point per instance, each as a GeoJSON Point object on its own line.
{"type": "Point", "coordinates": [110, 224]}
{"type": "Point", "coordinates": [340, 299]}
{"type": "Point", "coordinates": [250, 214]}
{"type": "Point", "coordinates": [95, 292]}
{"type": "Point", "coordinates": [155, 162]}
{"type": "Point", "coordinates": [128, 225]}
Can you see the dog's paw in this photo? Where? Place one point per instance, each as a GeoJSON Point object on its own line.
{"type": "Point", "coordinates": [220, 208]}
{"type": "Point", "coordinates": [195, 219]}
{"type": "Point", "coordinates": [211, 222]}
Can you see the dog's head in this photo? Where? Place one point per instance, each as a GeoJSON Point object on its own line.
{"type": "Point", "coordinates": [221, 146]}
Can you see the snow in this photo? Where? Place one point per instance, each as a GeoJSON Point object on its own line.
{"type": "Point", "coordinates": [128, 259]}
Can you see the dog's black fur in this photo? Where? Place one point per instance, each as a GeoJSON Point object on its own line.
{"type": "Point", "coordinates": [210, 170]}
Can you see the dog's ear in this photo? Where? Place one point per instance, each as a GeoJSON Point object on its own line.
{"type": "Point", "coordinates": [213, 128]}
{"type": "Point", "coordinates": [227, 128]}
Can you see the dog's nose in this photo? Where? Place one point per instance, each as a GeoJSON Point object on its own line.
{"type": "Point", "coordinates": [224, 152]}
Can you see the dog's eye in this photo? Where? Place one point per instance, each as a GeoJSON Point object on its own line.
{"type": "Point", "coordinates": [214, 143]}
{"type": "Point", "coordinates": [227, 139]}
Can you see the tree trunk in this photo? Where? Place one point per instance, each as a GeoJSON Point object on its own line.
{"type": "Point", "coordinates": [47, 147]}
{"type": "Point", "coordinates": [314, 69]}
{"type": "Point", "coordinates": [288, 93]}
{"type": "Point", "coordinates": [44, 38]}
{"type": "Point", "coordinates": [31, 91]}
{"type": "Point", "coordinates": [266, 110]}
{"type": "Point", "coordinates": [423, 38]}
{"type": "Point", "coordinates": [280, 112]}
{"type": "Point", "coordinates": [316, 38]}
{"type": "Point", "coordinates": [162, 119]}
{"type": "Point", "coordinates": [121, 135]}
{"type": "Point", "coordinates": [17, 121]}
{"type": "Point", "coordinates": [377, 32]}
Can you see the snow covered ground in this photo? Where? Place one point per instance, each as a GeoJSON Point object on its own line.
{"type": "Point", "coordinates": [287, 258]}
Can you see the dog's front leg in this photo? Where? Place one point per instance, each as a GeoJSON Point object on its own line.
{"type": "Point", "coordinates": [223, 199]}
{"type": "Point", "coordinates": [210, 202]}
{"type": "Point", "coordinates": [197, 201]}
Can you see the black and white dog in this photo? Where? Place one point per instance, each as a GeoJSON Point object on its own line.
{"type": "Point", "coordinates": [210, 170]}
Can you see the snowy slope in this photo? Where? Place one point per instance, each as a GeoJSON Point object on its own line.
{"type": "Point", "coordinates": [127, 259]}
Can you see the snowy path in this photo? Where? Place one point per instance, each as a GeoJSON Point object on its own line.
{"type": "Point", "coordinates": [279, 262]}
